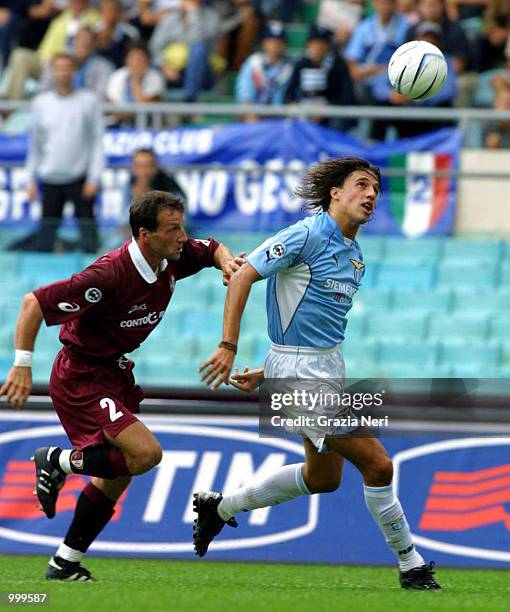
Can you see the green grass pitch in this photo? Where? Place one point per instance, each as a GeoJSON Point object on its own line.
{"type": "Point", "coordinates": [133, 585]}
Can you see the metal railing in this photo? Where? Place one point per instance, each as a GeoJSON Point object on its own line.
{"type": "Point", "coordinates": [292, 111]}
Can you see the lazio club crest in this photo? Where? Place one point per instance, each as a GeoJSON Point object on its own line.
{"type": "Point", "coordinates": [359, 269]}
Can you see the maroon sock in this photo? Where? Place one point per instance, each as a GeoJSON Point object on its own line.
{"type": "Point", "coordinates": [101, 460]}
{"type": "Point", "coordinates": [92, 513]}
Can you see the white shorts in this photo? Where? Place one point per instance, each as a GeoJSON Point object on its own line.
{"type": "Point", "coordinates": [322, 371]}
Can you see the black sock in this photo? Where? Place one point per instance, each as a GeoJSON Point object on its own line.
{"type": "Point", "coordinates": [92, 513]}
{"type": "Point", "coordinates": [101, 460]}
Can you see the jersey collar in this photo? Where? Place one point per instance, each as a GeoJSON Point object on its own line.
{"type": "Point", "coordinates": [333, 225]}
{"type": "Point", "coordinates": [141, 264]}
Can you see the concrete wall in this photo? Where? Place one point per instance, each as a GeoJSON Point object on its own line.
{"type": "Point", "coordinates": [483, 205]}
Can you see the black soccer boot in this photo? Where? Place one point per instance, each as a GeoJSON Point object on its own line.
{"type": "Point", "coordinates": [48, 480]}
{"type": "Point", "coordinates": [420, 578]}
{"type": "Point", "coordinates": [209, 523]}
{"type": "Point", "coordinates": [61, 569]}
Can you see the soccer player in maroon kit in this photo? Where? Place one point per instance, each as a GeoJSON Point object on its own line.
{"type": "Point", "coordinates": [106, 310]}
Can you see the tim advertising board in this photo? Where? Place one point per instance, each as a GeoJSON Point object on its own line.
{"type": "Point", "coordinates": [460, 508]}
{"type": "Point", "coordinates": [454, 493]}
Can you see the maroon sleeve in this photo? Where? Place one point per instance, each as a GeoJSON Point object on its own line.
{"type": "Point", "coordinates": [75, 296]}
{"type": "Point", "coordinates": [196, 254]}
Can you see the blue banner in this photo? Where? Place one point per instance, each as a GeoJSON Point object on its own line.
{"type": "Point", "coordinates": [455, 492]}
{"type": "Point", "coordinates": [274, 155]}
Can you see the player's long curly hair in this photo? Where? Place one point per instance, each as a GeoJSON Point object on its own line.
{"type": "Point", "coordinates": [316, 185]}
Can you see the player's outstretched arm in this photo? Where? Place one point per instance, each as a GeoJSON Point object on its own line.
{"type": "Point", "coordinates": [248, 380]}
{"type": "Point", "coordinates": [18, 385]}
{"type": "Point", "coordinates": [229, 264]}
{"type": "Point", "coordinates": [217, 368]}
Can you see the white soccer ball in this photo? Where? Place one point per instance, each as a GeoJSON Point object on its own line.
{"type": "Point", "coordinates": [417, 70]}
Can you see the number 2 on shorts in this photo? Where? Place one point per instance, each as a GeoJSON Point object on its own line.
{"type": "Point", "coordinates": [115, 414]}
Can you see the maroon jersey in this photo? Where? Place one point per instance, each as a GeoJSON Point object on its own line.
{"type": "Point", "coordinates": [111, 307]}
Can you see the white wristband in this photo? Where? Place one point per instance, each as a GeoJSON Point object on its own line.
{"type": "Point", "coordinates": [23, 358]}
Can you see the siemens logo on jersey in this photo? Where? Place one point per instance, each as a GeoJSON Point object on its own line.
{"type": "Point", "coordinates": [150, 319]}
{"type": "Point", "coordinates": [338, 287]}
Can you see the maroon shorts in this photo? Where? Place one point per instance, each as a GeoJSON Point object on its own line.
{"type": "Point", "coordinates": [93, 397]}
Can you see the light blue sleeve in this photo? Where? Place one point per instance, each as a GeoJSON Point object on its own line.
{"type": "Point", "coordinates": [381, 87]}
{"type": "Point", "coordinates": [355, 48]}
{"type": "Point", "coordinates": [245, 88]}
{"type": "Point", "coordinates": [280, 251]}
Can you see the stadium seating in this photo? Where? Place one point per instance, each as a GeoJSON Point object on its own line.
{"type": "Point", "coordinates": [436, 307]}
{"type": "Point", "coordinates": [406, 276]}
{"type": "Point", "coordinates": [412, 251]}
{"type": "Point", "coordinates": [468, 273]}
{"type": "Point", "coordinates": [437, 301]}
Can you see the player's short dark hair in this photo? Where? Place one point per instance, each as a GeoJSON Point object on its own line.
{"type": "Point", "coordinates": [144, 209]}
{"type": "Point", "coordinates": [316, 185]}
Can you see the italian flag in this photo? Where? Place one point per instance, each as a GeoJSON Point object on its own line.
{"type": "Point", "coordinates": [418, 200]}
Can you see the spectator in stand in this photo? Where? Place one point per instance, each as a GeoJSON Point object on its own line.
{"type": "Point", "coordinates": [182, 44]}
{"type": "Point", "coordinates": [264, 76]}
{"type": "Point", "coordinates": [240, 24]}
{"type": "Point", "coordinates": [490, 53]}
{"type": "Point", "coordinates": [130, 10]}
{"type": "Point", "coordinates": [340, 16]}
{"type": "Point", "coordinates": [114, 36]}
{"type": "Point", "coordinates": [13, 14]}
{"type": "Point", "coordinates": [152, 12]}
{"type": "Point", "coordinates": [409, 10]}
{"type": "Point", "coordinates": [372, 44]}
{"type": "Point", "coordinates": [146, 175]}
{"type": "Point", "coordinates": [454, 40]}
{"type": "Point", "coordinates": [26, 63]}
{"type": "Point", "coordinates": [321, 76]}
{"type": "Point", "coordinates": [384, 94]}
{"type": "Point", "coordinates": [468, 13]}
{"type": "Point", "coordinates": [65, 157]}
{"type": "Point", "coordinates": [276, 10]}
{"type": "Point", "coordinates": [31, 32]}
{"type": "Point", "coordinates": [135, 82]}
{"type": "Point", "coordinates": [92, 70]}
{"type": "Point", "coordinates": [497, 133]}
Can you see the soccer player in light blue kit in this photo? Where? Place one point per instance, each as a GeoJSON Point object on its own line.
{"type": "Point", "coordinates": [314, 269]}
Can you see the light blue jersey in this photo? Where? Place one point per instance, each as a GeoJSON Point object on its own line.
{"type": "Point", "coordinates": [313, 274]}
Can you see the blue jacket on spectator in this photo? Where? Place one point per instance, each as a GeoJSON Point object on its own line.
{"type": "Point", "coordinates": [262, 83]}
{"type": "Point", "coordinates": [372, 44]}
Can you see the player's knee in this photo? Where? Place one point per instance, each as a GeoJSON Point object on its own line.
{"type": "Point", "coordinates": [380, 472]}
{"type": "Point", "coordinates": [145, 459]}
{"type": "Point", "coordinates": [157, 455]}
{"type": "Point", "coordinates": [152, 457]}
{"type": "Point", "coordinates": [323, 483]}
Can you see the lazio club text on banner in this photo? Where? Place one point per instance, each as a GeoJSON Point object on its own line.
{"type": "Point", "coordinates": [455, 491]}
{"type": "Point", "coordinates": [254, 199]}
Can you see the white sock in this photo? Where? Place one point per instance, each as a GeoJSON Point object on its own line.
{"type": "Point", "coordinates": [69, 554]}
{"type": "Point", "coordinates": [389, 516]}
{"type": "Point", "coordinates": [283, 485]}
{"type": "Point", "coordinates": [64, 460]}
